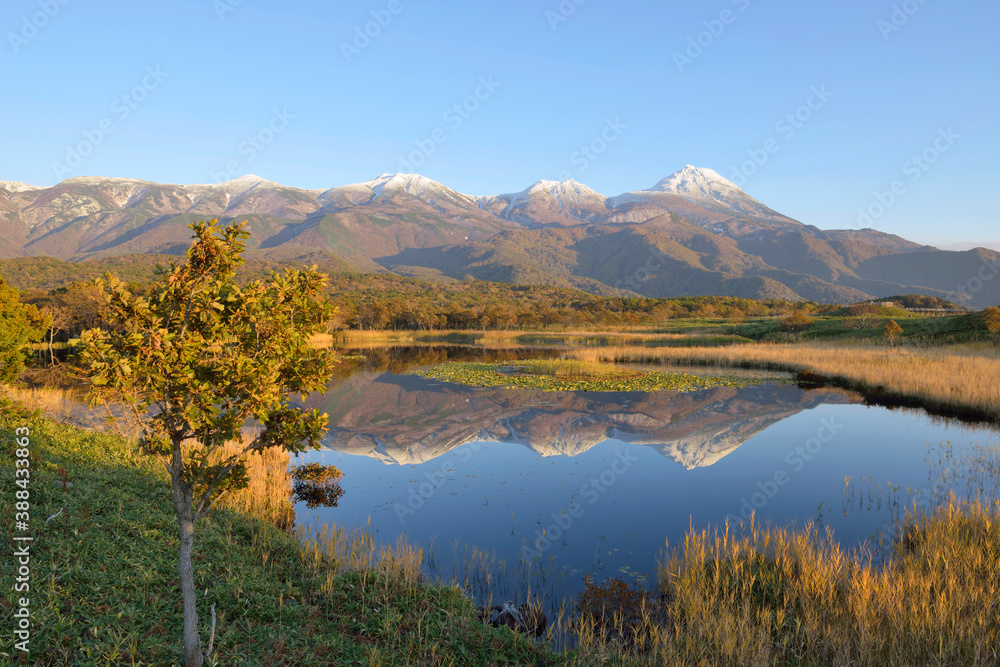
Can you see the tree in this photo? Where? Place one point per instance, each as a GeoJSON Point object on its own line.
{"type": "Point", "coordinates": [198, 356]}
{"type": "Point", "coordinates": [84, 303]}
{"type": "Point", "coordinates": [20, 324]}
{"type": "Point", "coordinates": [892, 332]}
{"type": "Point", "coordinates": [991, 320]}
{"type": "Point", "coordinates": [662, 312]}
{"type": "Point", "coordinates": [796, 323]}
{"type": "Point", "coordinates": [864, 317]}
{"type": "Point", "coordinates": [60, 319]}
{"type": "Point", "coordinates": [373, 315]}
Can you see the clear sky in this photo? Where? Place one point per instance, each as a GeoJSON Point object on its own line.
{"type": "Point", "coordinates": [171, 91]}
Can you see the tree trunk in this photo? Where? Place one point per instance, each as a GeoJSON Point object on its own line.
{"type": "Point", "coordinates": [192, 642]}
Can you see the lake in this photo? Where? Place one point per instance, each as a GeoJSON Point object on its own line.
{"type": "Point", "coordinates": [596, 483]}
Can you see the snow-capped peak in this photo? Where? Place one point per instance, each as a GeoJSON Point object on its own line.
{"type": "Point", "coordinates": [543, 184]}
{"type": "Point", "coordinates": [567, 196]}
{"type": "Point", "coordinates": [567, 188]}
{"type": "Point", "coordinates": [244, 182]}
{"type": "Point", "coordinates": [411, 183]}
{"type": "Point", "coordinates": [692, 181]}
{"type": "Point", "coordinates": [707, 189]}
{"type": "Point", "coordinates": [17, 186]}
{"type": "Point", "coordinates": [241, 185]}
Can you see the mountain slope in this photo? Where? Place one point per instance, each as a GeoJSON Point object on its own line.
{"type": "Point", "coordinates": [694, 232]}
{"type": "Point", "coordinates": [664, 257]}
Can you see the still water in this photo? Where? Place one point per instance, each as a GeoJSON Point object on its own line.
{"type": "Point", "coordinates": [599, 483]}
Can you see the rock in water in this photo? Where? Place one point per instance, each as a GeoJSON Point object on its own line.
{"type": "Point", "coordinates": [525, 618]}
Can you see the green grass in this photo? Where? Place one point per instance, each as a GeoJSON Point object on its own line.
{"type": "Point", "coordinates": [104, 586]}
{"type": "Point", "coordinates": [690, 332]}
{"type": "Point", "coordinates": [703, 340]}
{"type": "Point", "coordinates": [573, 375]}
{"type": "Point", "coordinates": [917, 329]}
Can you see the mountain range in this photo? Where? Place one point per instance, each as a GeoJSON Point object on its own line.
{"type": "Point", "coordinates": [692, 233]}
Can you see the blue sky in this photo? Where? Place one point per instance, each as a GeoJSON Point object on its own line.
{"type": "Point", "coordinates": [615, 95]}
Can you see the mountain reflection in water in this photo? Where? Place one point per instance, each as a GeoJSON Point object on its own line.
{"type": "Point", "coordinates": [593, 482]}
{"type": "Point", "coordinates": [404, 419]}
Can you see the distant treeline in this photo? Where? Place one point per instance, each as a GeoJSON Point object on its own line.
{"type": "Point", "coordinates": [387, 301]}
{"type": "Point", "coordinates": [376, 302]}
{"type": "Point", "coordinates": [921, 302]}
{"type": "Point", "coordinates": [49, 272]}
{"type": "Point", "coordinates": [391, 302]}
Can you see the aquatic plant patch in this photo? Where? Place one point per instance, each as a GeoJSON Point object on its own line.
{"type": "Point", "coordinates": [539, 375]}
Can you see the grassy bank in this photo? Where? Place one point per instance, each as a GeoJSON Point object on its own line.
{"type": "Point", "coordinates": [104, 584]}
{"type": "Point", "coordinates": [961, 379]}
{"type": "Point", "coordinates": [841, 326]}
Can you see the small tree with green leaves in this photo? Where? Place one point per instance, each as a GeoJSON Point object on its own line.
{"type": "Point", "coordinates": [199, 357]}
{"type": "Point", "coordinates": [991, 320]}
{"type": "Point", "coordinates": [892, 332]}
{"type": "Point", "coordinates": [20, 324]}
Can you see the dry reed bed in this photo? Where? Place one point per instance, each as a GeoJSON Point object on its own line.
{"type": "Point", "coordinates": [779, 596]}
{"type": "Point", "coordinates": [269, 489]}
{"type": "Point", "coordinates": [334, 550]}
{"type": "Point", "coordinates": [961, 377]}
{"type": "Point", "coordinates": [55, 402]}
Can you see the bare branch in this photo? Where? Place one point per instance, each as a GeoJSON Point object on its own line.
{"type": "Point", "coordinates": [211, 636]}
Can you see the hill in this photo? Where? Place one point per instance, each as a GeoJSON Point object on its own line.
{"type": "Point", "coordinates": [692, 233]}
